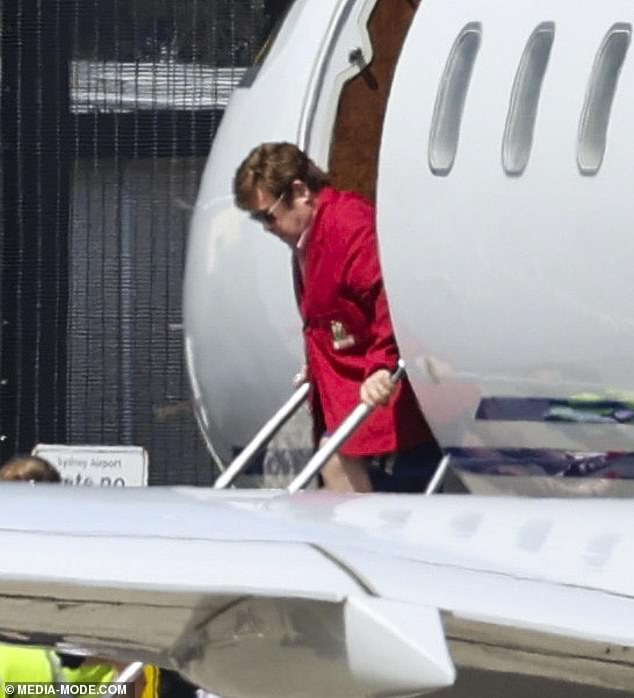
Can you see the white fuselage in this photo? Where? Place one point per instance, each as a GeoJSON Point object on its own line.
{"type": "Point", "coordinates": [503, 216]}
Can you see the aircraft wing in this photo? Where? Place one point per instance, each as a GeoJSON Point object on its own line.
{"type": "Point", "coordinates": [252, 593]}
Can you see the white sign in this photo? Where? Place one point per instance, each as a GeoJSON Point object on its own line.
{"type": "Point", "coordinates": [101, 466]}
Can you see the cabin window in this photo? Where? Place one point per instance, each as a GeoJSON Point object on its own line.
{"type": "Point", "coordinates": [595, 118]}
{"type": "Point", "coordinates": [452, 92]}
{"type": "Point", "coordinates": [520, 120]}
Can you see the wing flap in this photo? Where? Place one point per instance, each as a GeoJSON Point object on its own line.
{"type": "Point", "coordinates": [500, 648]}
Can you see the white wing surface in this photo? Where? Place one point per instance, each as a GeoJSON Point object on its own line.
{"type": "Point", "coordinates": [269, 595]}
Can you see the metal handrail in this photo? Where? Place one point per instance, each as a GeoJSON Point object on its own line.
{"type": "Point", "coordinates": [341, 434]}
{"type": "Point", "coordinates": [266, 433]}
{"type": "Point", "coordinates": [438, 476]}
{"type": "Point", "coordinates": [130, 673]}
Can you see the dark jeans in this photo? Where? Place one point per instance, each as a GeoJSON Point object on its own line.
{"type": "Point", "coordinates": [406, 471]}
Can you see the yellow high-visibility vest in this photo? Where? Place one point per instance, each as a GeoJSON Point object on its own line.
{"type": "Point", "coordinates": [19, 664]}
{"type": "Point", "coordinates": [98, 673]}
{"type": "Point", "coordinates": [27, 664]}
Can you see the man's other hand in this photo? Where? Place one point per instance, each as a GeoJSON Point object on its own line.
{"type": "Point", "coordinates": [300, 377]}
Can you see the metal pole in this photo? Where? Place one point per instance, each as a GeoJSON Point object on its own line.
{"type": "Point", "coordinates": [266, 433]}
{"type": "Point", "coordinates": [345, 429]}
{"type": "Point", "coordinates": [130, 673]}
{"type": "Point", "coordinates": [439, 475]}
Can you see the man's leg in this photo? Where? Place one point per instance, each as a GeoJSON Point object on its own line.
{"type": "Point", "coordinates": [345, 473]}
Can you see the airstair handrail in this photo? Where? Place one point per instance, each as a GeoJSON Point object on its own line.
{"type": "Point", "coordinates": [439, 475]}
{"type": "Point", "coordinates": [261, 439]}
{"type": "Point", "coordinates": [341, 434]}
{"type": "Point", "coordinates": [130, 673]}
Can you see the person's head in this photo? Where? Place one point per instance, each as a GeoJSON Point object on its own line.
{"type": "Point", "coordinates": [29, 469]}
{"type": "Point", "coordinates": [278, 184]}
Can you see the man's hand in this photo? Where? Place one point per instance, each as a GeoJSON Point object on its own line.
{"type": "Point", "coordinates": [377, 388]}
{"type": "Point", "coordinates": [300, 377]}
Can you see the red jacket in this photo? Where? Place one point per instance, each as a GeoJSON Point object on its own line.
{"type": "Point", "coordinates": [347, 328]}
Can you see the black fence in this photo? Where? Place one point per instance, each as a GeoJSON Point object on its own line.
{"type": "Point", "coordinates": [107, 112]}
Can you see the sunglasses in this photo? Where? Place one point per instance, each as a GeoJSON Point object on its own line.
{"type": "Point", "coordinates": [266, 216]}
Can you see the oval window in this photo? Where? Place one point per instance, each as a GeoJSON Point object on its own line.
{"type": "Point", "coordinates": [450, 100]}
{"type": "Point", "coordinates": [522, 113]}
{"type": "Point", "coordinates": [595, 117]}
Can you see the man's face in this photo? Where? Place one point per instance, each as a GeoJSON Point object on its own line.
{"type": "Point", "coordinates": [287, 221]}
